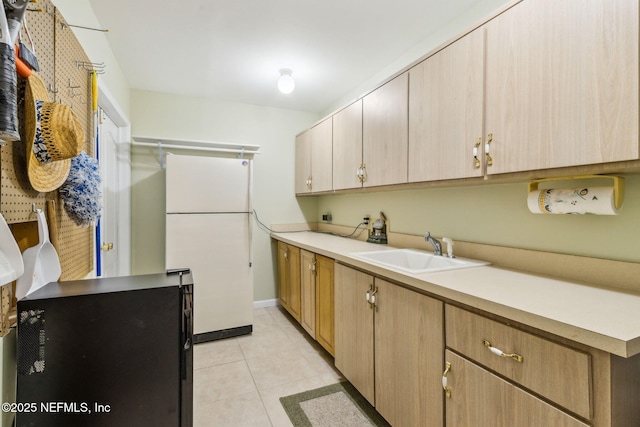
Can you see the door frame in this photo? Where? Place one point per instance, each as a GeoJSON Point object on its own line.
{"type": "Point", "coordinates": [108, 103]}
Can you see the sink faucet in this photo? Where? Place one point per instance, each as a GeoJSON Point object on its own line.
{"type": "Point", "coordinates": [437, 246]}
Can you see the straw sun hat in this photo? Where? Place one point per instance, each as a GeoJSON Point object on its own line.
{"type": "Point", "coordinates": [53, 135]}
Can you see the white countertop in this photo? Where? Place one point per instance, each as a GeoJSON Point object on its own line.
{"type": "Point", "coordinates": [602, 318]}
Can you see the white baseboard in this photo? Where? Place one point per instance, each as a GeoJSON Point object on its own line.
{"type": "Point", "coordinates": [265, 303]}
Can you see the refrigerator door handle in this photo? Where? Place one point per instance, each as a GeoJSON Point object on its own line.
{"type": "Point", "coordinates": [250, 216]}
{"type": "Point", "coordinates": [250, 239]}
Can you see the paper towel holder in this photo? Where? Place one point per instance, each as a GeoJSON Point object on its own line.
{"type": "Point", "coordinates": [618, 185]}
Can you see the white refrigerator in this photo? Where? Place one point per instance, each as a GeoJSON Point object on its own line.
{"type": "Point", "coordinates": [208, 229]}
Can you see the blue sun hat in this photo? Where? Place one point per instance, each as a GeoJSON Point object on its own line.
{"type": "Point", "coordinates": [81, 192]}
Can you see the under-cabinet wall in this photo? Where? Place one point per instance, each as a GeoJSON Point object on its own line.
{"type": "Point", "coordinates": [495, 214]}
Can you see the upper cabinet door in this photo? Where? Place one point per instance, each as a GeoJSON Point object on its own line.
{"type": "Point", "coordinates": [445, 112]}
{"type": "Point", "coordinates": [562, 84]}
{"type": "Point", "coordinates": [303, 163]}
{"type": "Point", "coordinates": [322, 156]}
{"type": "Point", "coordinates": [384, 133]}
{"type": "Point", "coordinates": [347, 147]}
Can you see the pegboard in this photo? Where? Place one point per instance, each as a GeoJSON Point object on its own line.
{"type": "Point", "coordinates": [74, 89]}
{"type": "Point", "coordinates": [58, 53]}
{"type": "Point", "coordinates": [17, 196]}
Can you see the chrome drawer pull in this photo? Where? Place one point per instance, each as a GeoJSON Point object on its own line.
{"type": "Point", "coordinates": [500, 353]}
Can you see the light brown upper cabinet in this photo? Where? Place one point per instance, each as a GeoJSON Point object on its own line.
{"type": "Point", "coordinates": [562, 84]}
{"type": "Point", "coordinates": [385, 119]}
{"type": "Point", "coordinates": [314, 158]}
{"type": "Point", "coordinates": [542, 85]}
{"type": "Point", "coordinates": [347, 147]}
{"type": "Point", "coordinates": [322, 156]}
{"type": "Point", "coordinates": [303, 163]}
{"type": "Point", "coordinates": [445, 112]}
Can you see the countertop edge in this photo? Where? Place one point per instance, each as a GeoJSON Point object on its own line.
{"type": "Point", "coordinates": [429, 283]}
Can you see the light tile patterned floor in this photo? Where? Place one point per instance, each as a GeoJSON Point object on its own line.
{"type": "Point", "coordinates": [238, 381]}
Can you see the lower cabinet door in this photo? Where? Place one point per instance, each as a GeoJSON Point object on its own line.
{"type": "Point", "coordinates": [283, 275]}
{"type": "Point", "coordinates": [481, 399]}
{"type": "Point", "coordinates": [324, 332]}
{"type": "Point", "coordinates": [354, 329]}
{"type": "Point", "coordinates": [308, 292]}
{"type": "Point", "coordinates": [295, 301]}
{"type": "Point", "coordinates": [408, 355]}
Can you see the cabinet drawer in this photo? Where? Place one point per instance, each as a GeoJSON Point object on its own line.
{"type": "Point", "coordinates": [480, 399]}
{"type": "Point", "coordinates": [559, 373]}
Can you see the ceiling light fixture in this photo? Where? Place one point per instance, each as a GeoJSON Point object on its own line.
{"type": "Point", "coordinates": [285, 82]}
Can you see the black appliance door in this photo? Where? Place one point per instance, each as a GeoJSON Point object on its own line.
{"type": "Point", "coordinates": [101, 360]}
{"type": "Point", "coordinates": [187, 356]}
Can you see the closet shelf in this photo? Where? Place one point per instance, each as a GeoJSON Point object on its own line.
{"type": "Point", "coordinates": [221, 147]}
{"type": "Point", "coordinates": [226, 147]}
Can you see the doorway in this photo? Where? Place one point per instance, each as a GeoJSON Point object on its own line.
{"type": "Point", "coordinates": [113, 234]}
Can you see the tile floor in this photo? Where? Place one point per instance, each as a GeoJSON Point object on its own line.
{"type": "Point", "coordinates": [238, 381]}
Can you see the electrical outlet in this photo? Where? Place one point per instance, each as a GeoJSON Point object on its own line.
{"type": "Point", "coordinates": [327, 217]}
{"type": "Point", "coordinates": [366, 219]}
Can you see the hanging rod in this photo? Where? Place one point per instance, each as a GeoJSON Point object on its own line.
{"type": "Point", "coordinates": [221, 147]}
{"type": "Point", "coordinates": [225, 147]}
{"type": "Point", "coordinates": [186, 147]}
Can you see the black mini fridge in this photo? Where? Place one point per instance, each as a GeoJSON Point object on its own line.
{"type": "Point", "coordinates": [107, 352]}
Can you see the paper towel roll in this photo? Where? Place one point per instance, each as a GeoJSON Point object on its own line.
{"type": "Point", "coordinates": [586, 200]}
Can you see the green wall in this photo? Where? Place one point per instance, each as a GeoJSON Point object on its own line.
{"type": "Point", "coordinates": [497, 214]}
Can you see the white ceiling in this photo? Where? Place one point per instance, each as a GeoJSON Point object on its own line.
{"type": "Point", "coordinates": [232, 49]}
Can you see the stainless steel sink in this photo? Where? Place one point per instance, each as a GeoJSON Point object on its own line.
{"type": "Point", "coordinates": [416, 262]}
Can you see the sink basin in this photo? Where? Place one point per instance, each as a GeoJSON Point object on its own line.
{"type": "Point", "coordinates": [416, 262]}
